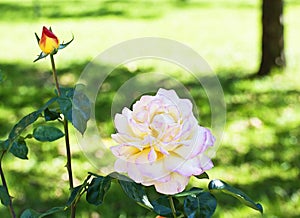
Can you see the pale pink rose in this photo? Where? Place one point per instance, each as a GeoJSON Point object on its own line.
{"type": "Point", "coordinates": [160, 142]}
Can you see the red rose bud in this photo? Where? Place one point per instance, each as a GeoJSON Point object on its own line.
{"type": "Point", "coordinates": [48, 43]}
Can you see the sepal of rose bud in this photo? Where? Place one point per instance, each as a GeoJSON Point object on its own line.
{"type": "Point", "coordinates": [41, 56]}
{"type": "Point", "coordinates": [63, 45]}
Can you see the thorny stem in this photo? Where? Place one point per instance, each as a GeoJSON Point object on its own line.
{"type": "Point", "coordinates": [10, 205]}
{"type": "Point", "coordinates": [172, 206]}
{"type": "Point", "coordinates": [67, 141]}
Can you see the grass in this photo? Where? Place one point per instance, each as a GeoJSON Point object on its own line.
{"type": "Point", "coordinates": [259, 152]}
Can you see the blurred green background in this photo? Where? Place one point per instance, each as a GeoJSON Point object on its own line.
{"type": "Point", "coordinates": [260, 149]}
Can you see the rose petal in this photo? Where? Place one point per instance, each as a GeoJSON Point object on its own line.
{"type": "Point", "coordinates": [124, 151]}
{"type": "Point", "coordinates": [202, 138]}
{"type": "Point", "coordinates": [152, 156]}
{"type": "Point", "coordinates": [122, 138]}
{"type": "Point", "coordinates": [173, 112]}
{"type": "Point", "coordinates": [134, 173]}
{"type": "Point", "coordinates": [141, 105]}
{"type": "Point", "coordinates": [122, 125]}
{"type": "Point", "coordinates": [176, 184]}
{"type": "Point", "coordinates": [206, 163]}
{"type": "Point", "coordinates": [164, 151]}
{"type": "Point", "coordinates": [190, 167]}
{"type": "Point", "coordinates": [185, 106]}
{"type": "Point", "coordinates": [154, 170]}
{"type": "Point", "coordinates": [120, 166]}
{"type": "Point", "coordinates": [169, 95]}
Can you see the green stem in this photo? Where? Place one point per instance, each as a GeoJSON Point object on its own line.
{"type": "Point", "coordinates": [172, 206]}
{"type": "Point", "coordinates": [10, 205]}
{"type": "Point", "coordinates": [67, 141]}
{"type": "Point", "coordinates": [68, 151]}
{"type": "Point", "coordinates": [55, 75]}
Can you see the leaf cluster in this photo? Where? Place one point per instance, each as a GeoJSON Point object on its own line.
{"type": "Point", "coordinates": [74, 105]}
{"type": "Point", "coordinates": [193, 203]}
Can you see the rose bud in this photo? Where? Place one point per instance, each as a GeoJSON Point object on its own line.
{"type": "Point", "coordinates": [49, 43]}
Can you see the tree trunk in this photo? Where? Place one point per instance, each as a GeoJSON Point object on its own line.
{"type": "Point", "coordinates": [272, 37]}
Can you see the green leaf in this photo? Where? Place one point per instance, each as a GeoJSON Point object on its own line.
{"type": "Point", "coordinates": [76, 107]}
{"type": "Point", "coordinates": [220, 186]}
{"type": "Point", "coordinates": [29, 213]}
{"type": "Point", "coordinates": [47, 133]}
{"type": "Point", "coordinates": [51, 114]}
{"type": "Point", "coordinates": [65, 105]}
{"type": "Point", "coordinates": [22, 124]}
{"type": "Point", "coordinates": [97, 190]}
{"type": "Point", "coordinates": [208, 204]}
{"type": "Point", "coordinates": [65, 102]}
{"type": "Point", "coordinates": [77, 192]}
{"type": "Point", "coordinates": [161, 206]}
{"type": "Point", "coordinates": [74, 194]}
{"type": "Point", "coordinates": [191, 206]}
{"type": "Point", "coordinates": [4, 197]}
{"type": "Point", "coordinates": [189, 192]}
{"type": "Point", "coordinates": [199, 204]}
{"type": "Point", "coordinates": [202, 205]}
{"type": "Point", "coordinates": [52, 211]}
{"type": "Point", "coordinates": [3, 145]}
{"type": "Point", "coordinates": [26, 121]}
{"type": "Point", "coordinates": [19, 149]}
{"type": "Point", "coordinates": [16, 144]}
{"type": "Point", "coordinates": [81, 111]}
{"type": "Point", "coordinates": [204, 175]}
{"type": "Point", "coordinates": [134, 191]}
{"type": "Point", "coordinates": [47, 104]}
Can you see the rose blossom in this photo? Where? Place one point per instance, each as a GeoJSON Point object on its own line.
{"type": "Point", "coordinates": [160, 142]}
